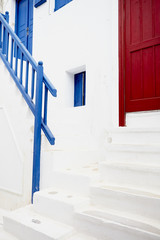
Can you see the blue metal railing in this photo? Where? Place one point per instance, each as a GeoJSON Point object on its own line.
{"type": "Point", "coordinates": [24, 70]}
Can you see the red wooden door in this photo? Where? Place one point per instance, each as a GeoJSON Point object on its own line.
{"type": "Point", "coordinates": [142, 55]}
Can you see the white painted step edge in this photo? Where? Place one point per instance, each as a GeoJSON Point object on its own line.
{"type": "Point", "coordinates": [106, 229]}
{"type": "Point", "coordinates": [133, 221]}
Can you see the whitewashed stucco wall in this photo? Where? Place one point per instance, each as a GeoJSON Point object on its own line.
{"type": "Point", "coordinates": [81, 35]}
{"type": "Point", "coordinates": [16, 145]}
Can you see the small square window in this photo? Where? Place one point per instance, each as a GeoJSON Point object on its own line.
{"type": "Point", "coordinates": [79, 89]}
{"type": "Point", "coordinates": [60, 3]}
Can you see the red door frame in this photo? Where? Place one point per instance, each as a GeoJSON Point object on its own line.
{"type": "Point", "coordinates": [121, 23]}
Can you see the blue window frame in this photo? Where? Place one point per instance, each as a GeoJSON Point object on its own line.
{"type": "Point", "coordinates": [80, 89]}
{"type": "Point", "coordinates": [60, 3]}
{"type": "Point", "coordinates": [39, 2]}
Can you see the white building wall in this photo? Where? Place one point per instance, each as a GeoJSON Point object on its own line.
{"type": "Point", "coordinates": [16, 145]}
{"type": "Point", "coordinates": [83, 35]}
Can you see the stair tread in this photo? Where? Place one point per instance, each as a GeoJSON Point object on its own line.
{"type": "Point", "coordinates": [132, 147]}
{"type": "Point", "coordinates": [86, 170]}
{"type": "Point", "coordinates": [131, 191]}
{"type": "Point", "coordinates": [101, 215]}
{"type": "Point", "coordinates": [27, 217]}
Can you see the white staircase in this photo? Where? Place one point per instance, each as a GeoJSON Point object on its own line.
{"type": "Point", "coordinates": [115, 199]}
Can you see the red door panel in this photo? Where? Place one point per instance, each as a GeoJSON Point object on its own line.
{"type": "Point", "coordinates": [157, 69]}
{"type": "Point", "coordinates": [157, 17]}
{"type": "Point", "coordinates": [142, 55]}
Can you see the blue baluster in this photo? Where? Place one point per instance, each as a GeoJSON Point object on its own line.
{"type": "Point", "coordinates": [4, 41]}
{"type": "Point", "coordinates": [45, 105]}
{"type": "Point", "coordinates": [21, 71]}
{"type": "Point", "coordinates": [11, 59]}
{"type": "Point", "coordinates": [32, 84]}
{"type": "Point", "coordinates": [27, 68]}
{"type": "Point", "coordinates": [16, 59]}
{"type": "Point", "coordinates": [7, 44]}
{"type": "Point", "coordinates": [26, 84]}
{"type": "Point", "coordinates": [0, 35]}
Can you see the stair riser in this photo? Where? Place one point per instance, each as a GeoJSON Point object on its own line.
{"type": "Point", "coordinates": [54, 209]}
{"type": "Point", "coordinates": [110, 230]}
{"type": "Point", "coordinates": [136, 137]}
{"type": "Point", "coordinates": [131, 178]}
{"type": "Point", "coordinates": [72, 183]}
{"type": "Point", "coordinates": [135, 157]}
{"type": "Point", "coordinates": [23, 232]}
{"type": "Point", "coordinates": [125, 202]}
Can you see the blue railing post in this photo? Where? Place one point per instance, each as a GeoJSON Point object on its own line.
{"type": "Point", "coordinates": [7, 16]}
{"type": "Point", "coordinates": [4, 46]}
{"type": "Point", "coordinates": [37, 130]}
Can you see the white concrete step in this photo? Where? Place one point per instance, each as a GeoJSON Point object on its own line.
{"type": "Point", "coordinates": [147, 154]}
{"type": "Point", "coordinates": [138, 176]}
{"type": "Point", "coordinates": [125, 135]}
{"type": "Point", "coordinates": [146, 119]}
{"type": "Point", "coordinates": [58, 205]}
{"type": "Point", "coordinates": [112, 225]}
{"type": "Point", "coordinates": [75, 180]}
{"type": "Point", "coordinates": [25, 224]}
{"type": "Point", "coordinates": [129, 201]}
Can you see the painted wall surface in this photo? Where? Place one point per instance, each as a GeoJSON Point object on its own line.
{"type": "Point", "coordinates": [80, 36]}
{"type": "Point", "coordinates": [11, 159]}
{"type": "Point", "coordinates": [9, 5]}
{"type": "Point", "coordinates": [16, 141]}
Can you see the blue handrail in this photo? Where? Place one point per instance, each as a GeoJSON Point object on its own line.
{"type": "Point", "coordinates": [17, 58]}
